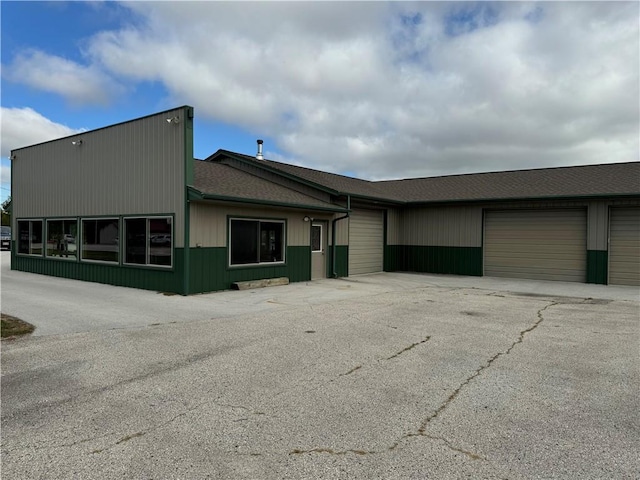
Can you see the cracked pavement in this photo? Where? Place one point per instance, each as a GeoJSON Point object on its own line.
{"type": "Point", "coordinates": [427, 382]}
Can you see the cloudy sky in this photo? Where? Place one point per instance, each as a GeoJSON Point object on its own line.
{"type": "Point", "coordinates": [376, 90]}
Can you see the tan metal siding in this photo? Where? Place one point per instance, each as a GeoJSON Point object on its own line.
{"type": "Point", "coordinates": [598, 223]}
{"type": "Point", "coordinates": [342, 230]}
{"type": "Point", "coordinates": [442, 226]}
{"type": "Point", "coordinates": [624, 249]}
{"type": "Point", "coordinates": [536, 244]}
{"type": "Point", "coordinates": [209, 223]}
{"type": "Point", "coordinates": [132, 168]}
{"type": "Point", "coordinates": [393, 226]}
{"type": "Point", "coordinates": [366, 241]}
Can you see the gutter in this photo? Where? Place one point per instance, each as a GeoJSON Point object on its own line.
{"type": "Point", "coordinates": [334, 274]}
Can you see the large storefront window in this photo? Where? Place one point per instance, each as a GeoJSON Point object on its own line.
{"type": "Point", "coordinates": [61, 239]}
{"type": "Point", "coordinates": [149, 241]}
{"type": "Point", "coordinates": [30, 237]}
{"type": "Point", "coordinates": [256, 241]}
{"type": "Point", "coordinates": [100, 240]}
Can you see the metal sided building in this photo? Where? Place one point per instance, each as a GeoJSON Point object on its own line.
{"type": "Point", "coordinates": [129, 205]}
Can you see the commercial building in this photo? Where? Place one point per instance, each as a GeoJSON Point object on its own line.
{"type": "Point", "coordinates": [129, 205]}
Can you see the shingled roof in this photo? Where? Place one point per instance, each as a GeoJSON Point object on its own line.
{"type": "Point", "coordinates": [227, 183]}
{"type": "Point", "coordinates": [332, 181]}
{"type": "Point", "coordinates": [611, 179]}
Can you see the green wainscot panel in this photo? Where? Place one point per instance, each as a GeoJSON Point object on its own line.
{"type": "Point", "coordinates": [434, 259]}
{"type": "Point", "coordinates": [147, 278]}
{"type": "Point", "coordinates": [209, 271]}
{"type": "Point", "coordinates": [342, 260]}
{"type": "Point", "coordinates": [597, 266]}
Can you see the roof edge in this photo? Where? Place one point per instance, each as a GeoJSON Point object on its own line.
{"type": "Point", "coordinates": [493, 172]}
{"type": "Point", "coordinates": [195, 194]}
{"type": "Point", "coordinates": [415, 203]}
{"type": "Point", "coordinates": [182, 107]}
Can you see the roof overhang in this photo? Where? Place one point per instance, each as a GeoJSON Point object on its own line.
{"type": "Point", "coordinates": [195, 194]}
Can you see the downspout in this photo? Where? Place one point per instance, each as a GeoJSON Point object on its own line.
{"type": "Point", "coordinates": [334, 274]}
{"type": "Point", "coordinates": [188, 180]}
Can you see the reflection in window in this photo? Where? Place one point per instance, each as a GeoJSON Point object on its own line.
{"type": "Point", "coordinates": [316, 238]}
{"type": "Point", "coordinates": [30, 237]}
{"type": "Point", "coordinates": [149, 241]}
{"type": "Point", "coordinates": [100, 240]}
{"type": "Point", "coordinates": [256, 241]}
{"type": "Point", "coordinates": [61, 239]}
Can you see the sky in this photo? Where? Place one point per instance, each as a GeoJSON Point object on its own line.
{"type": "Point", "coordinates": [376, 90]}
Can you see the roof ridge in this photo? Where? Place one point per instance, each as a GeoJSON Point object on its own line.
{"type": "Point", "coordinates": [267, 161]}
{"type": "Point", "coordinates": [562, 167]}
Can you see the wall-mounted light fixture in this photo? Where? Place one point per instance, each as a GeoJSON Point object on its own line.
{"type": "Point", "coordinates": [307, 218]}
{"type": "Point", "coordinates": [77, 143]}
{"type": "Point", "coordinates": [13, 157]}
{"type": "Point", "coordinates": [173, 120]}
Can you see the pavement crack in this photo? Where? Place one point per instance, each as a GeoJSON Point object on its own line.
{"type": "Point", "coordinates": [479, 371]}
{"type": "Point", "coordinates": [350, 371]}
{"type": "Point", "coordinates": [406, 349]}
{"type": "Point", "coordinates": [471, 455]}
{"type": "Point", "coordinates": [173, 419]}
{"type": "Point", "coordinates": [423, 426]}
{"type": "Point", "coordinates": [330, 451]}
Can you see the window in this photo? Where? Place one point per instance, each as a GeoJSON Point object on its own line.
{"type": "Point", "coordinates": [61, 239]}
{"type": "Point", "coordinates": [30, 237]}
{"type": "Point", "coordinates": [316, 238]}
{"type": "Point", "coordinates": [100, 240]}
{"type": "Point", "coordinates": [255, 241]}
{"type": "Point", "coordinates": [149, 241]}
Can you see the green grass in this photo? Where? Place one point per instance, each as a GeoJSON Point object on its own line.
{"type": "Point", "coordinates": [12, 326]}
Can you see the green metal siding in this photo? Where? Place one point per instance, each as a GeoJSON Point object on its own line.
{"type": "Point", "coordinates": [597, 266]}
{"type": "Point", "coordinates": [342, 260]}
{"type": "Point", "coordinates": [434, 259]}
{"type": "Point", "coordinates": [209, 270]}
{"type": "Point", "coordinates": [124, 276]}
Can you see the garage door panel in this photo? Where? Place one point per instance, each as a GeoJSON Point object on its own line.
{"type": "Point", "coordinates": [537, 244]}
{"type": "Point", "coordinates": [366, 241]}
{"type": "Point", "coordinates": [624, 246]}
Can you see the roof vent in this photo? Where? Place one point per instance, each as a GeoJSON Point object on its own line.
{"type": "Point", "coordinates": [259, 154]}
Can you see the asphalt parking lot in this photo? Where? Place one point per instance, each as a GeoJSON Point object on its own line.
{"type": "Point", "coordinates": [380, 376]}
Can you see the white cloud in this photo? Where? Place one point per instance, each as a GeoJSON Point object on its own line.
{"type": "Point", "coordinates": [22, 127]}
{"type": "Point", "coordinates": [85, 85]}
{"type": "Point", "coordinates": [388, 90]}
{"type": "Point", "coordinates": [5, 175]}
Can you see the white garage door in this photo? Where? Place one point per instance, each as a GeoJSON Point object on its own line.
{"type": "Point", "coordinates": [366, 241]}
{"type": "Point", "coordinates": [624, 246]}
{"type": "Point", "coordinates": [536, 244]}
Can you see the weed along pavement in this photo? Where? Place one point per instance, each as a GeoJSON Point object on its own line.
{"type": "Point", "coordinates": [380, 376]}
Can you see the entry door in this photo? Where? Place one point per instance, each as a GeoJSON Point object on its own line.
{"type": "Point", "coordinates": [318, 251]}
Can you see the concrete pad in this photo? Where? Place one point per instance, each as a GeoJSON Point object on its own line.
{"type": "Point", "coordinates": [59, 305]}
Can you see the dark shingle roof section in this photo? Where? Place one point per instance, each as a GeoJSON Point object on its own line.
{"type": "Point", "coordinates": [332, 181]}
{"type": "Point", "coordinates": [583, 181]}
{"type": "Point", "coordinates": [222, 180]}
{"type": "Point", "coordinates": [560, 182]}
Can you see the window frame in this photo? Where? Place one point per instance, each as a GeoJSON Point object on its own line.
{"type": "Point", "coordinates": [260, 220]}
{"type": "Point", "coordinates": [119, 238]}
{"type": "Point", "coordinates": [147, 247]}
{"type": "Point", "coordinates": [42, 234]}
{"type": "Point", "coordinates": [320, 226]}
{"type": "Point", "coordinates": [46, 237]}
